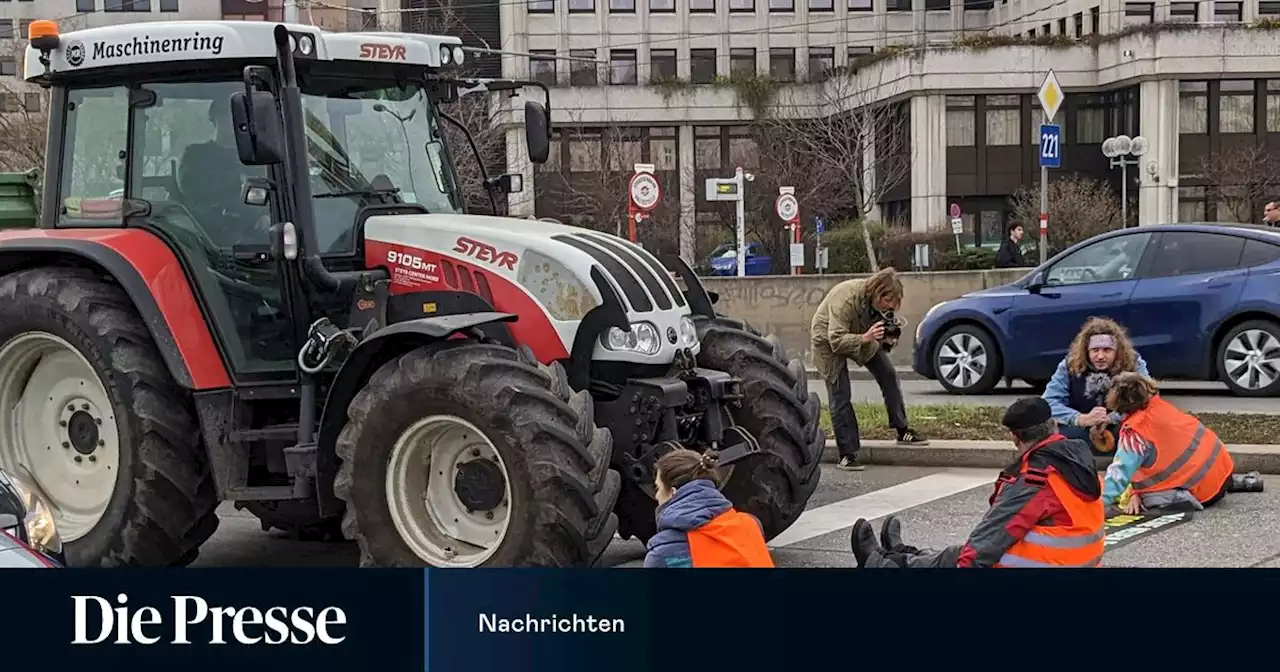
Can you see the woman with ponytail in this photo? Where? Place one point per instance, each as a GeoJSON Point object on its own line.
{"type": "Point", "coordinates": [697, 526]}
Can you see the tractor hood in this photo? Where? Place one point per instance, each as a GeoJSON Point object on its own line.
{"type": "Point", "coordinates": [525, 251]}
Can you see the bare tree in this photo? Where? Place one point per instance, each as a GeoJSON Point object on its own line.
{"type": "Point", "coordinates": [1243, 177]}
{"type": "Point", "coordinates": [1079, 207]}
{"type": "Point", "coordinates": [841, 149]}
{"type": "Point", "coordinates": [23, 117]}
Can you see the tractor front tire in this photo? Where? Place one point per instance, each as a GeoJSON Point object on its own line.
{"type": "Point", "coordinates": [779, 411]}
{"type": "Point", "coordinates": [465, 454]}
{"type": "Point", "coordinates": [104, 432]}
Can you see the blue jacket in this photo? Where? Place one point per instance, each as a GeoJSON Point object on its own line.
{"type": "Point", "coordinates": [1058, 393]}
{"type": "Point", "coordinates": [693, 505]}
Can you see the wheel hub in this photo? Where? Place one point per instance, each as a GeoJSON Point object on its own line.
{"type": "Point", "coordinates": [479, 485]}
{"type": "Point", "coordinates": [82, 430]}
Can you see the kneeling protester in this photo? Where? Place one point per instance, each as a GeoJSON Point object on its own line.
{"type": "Point", "coordinates": [1046, 510]}
{"type": "Point", "coordinates": [697, 526]}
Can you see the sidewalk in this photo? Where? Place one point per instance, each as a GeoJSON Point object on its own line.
{"type": "Point", "coordinates": [859, 373]}
{"type": "Point", "coordinates": [994, 455]}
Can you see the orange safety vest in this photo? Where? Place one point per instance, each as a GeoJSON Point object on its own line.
{"type": "Point", "coordinates": [1188, 454]}
{"type": "Point", "coordinates": [1077, 545]}
{"type": "Point", "coordinates": [731, 539]}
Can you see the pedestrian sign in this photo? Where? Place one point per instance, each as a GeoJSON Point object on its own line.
{"type": "Point", "coordinates": [819, 224]}
{"type": "Point", "coordinates": [1051, 96]}
{"type": "Point", "coordinates": [1050, 146]}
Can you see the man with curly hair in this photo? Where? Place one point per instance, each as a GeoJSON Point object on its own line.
{"type": "Point", "coordinates": [1077, 393]}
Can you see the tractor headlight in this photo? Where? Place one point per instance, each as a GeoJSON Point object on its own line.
{"type": "Point", "coordinates": [446, 54]}
{"type": "Point", "coordinates": [42, 533]}
{"type": "Point", "coordinates": [641, 338]}
{"type": "Point", "coordinates": [688, 332]}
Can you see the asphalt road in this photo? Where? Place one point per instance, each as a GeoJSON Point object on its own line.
{"type": "Point", "coordinates": [936, 506]}
{"type": "Point", "coordinates": [1189, 396]}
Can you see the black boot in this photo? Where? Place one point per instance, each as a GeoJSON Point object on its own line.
{"type": "Point", "coordinates": [891, 537]}
{"type": "Point", "coordinates": [1250, 482]}
{"type": "Point", "coordinates": [862, 540]}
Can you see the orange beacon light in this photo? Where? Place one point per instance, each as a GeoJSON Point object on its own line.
{"type": "Point", "coordinates": [43, 35]}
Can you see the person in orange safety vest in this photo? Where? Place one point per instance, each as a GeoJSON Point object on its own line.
{"type": "Point", "coordinates": [1170, 459]}
{"type": "Point", "coordinates": [1046, 510]}
{"type": "Point", "coordinates": [697, 526]}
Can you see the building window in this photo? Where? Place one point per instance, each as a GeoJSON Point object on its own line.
{"type": "Point", "coordinates": [126, 5]}
{"type": "Point", "coordinates": [582, 6]}
{"type": "Point", "coordinates": [1062, 26]}
{"type": "Point", "coordinates": [8, 68]}
{"type": "Point", "coordinates": [1184, 12]}
{"type": "Point", "coordinates": [1095, 21]}
{"type": "Point", "coordinates": [6, 29]}
{"type": "Point", "coordinates": [856, 54]}
{"type": "Point", "coordinates": [1139, 13]}
{"type": "Point", "coordinates": [703, 6]}
{"type": "Point", "coordinates": [822, 5]}
{"type": "Point", "coordinates": [742, 61]}
{"type": "Point", "coordinates": [542, 66]}
{"type": "Point", "coordinates": [742, 5]}
{"type": "Point", "coordinates": [31, 102]}
{"type": "Point", "coordinates": [782, 64]}
{"type": "Point", "coordinates": [1003, 116]}
{"type": "Point", "coordinates": [821, 62]}
{"type": "Point", "coordinates": [782, 5]}
{"type": "Point", "coordinates": [622, 66]}
{"type": "Point", "coordinates": [706, 148]}
{"type": "Point", "coordinates": [1228, 12]}
{"type": "Point", "coordinates": [622, 6]}
{"type": "Point", "coordinates": [662, 6]}
{"type": "Point", "coordinates": [1091, 120]}
{"type": "Point", "coordinates": [1046, 30]}
{"type": "Point", "coordinates": [1273, 105]}
{"type": "Point", "coordinates": [662, 64]}
{"type": "Point", "coordinates": [663, 151]}
{"type": "Point", "coordinates": [85, 6]}
{"type": "Point", "coordinates": [169, 6]}
{"type": "Point", "coordinates": [1268, 7]}
{"type": "Point", "coordinates": [585, 152]}
{"type": "Point", "coordinates": [541, 6]}
{"type": "Point", "coordinates": [1191, 204]}
{"type": "Point", "coordinates": [1079, 21]}
{"type": "Point", "coordinates": [860, 5]}
{"type": "Point", "coordinates": [899, 5]}
{"type": "Point", "coordinates": [702, 66]}
{"type": "Point", "coordinates": [1193, 108]}
{"type": "Point", "coordinates": [742, 148]}
{"type": "Point", "coordinates": [1235, 106]}
{"type": "Point", "coordinates": [583, 71]}
{"type": "Point", "coordinates": [960, 121]}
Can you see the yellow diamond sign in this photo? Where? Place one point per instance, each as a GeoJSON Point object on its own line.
{"type": "Point", "coordinates": [1051, 96]}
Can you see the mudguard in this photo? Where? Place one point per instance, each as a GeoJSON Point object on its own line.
{"type": "Point", "coordinates": [372, 352]}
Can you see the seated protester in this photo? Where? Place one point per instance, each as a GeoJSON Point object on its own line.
{"type": "Point", "coordinates": [1077, 393]}
{"type": "Point", "coordinates": [697, 526]}
{"type": "Point", "coordinates": [1171, 460]}
{"type": "Point", "coordinates": [1046, 510]}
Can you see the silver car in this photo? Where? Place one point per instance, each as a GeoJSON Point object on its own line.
{"type": "Point", "coordinates": [28, 538]}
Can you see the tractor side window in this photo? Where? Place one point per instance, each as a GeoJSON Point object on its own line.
{"type": "Point", "coordinates": [92, 181]}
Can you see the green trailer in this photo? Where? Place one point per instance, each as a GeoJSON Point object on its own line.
{"type": "Point", "coordinates": [19, 205]}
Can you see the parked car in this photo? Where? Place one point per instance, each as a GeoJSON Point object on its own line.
{"type": "Point", "coordinates": [724, 260]}
{"type": "Point", "coordinates": [28, 537]}
{"type": "Point", "coordinates": [1200, 301]}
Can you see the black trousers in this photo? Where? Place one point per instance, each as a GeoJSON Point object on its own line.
{"type": "Point", "coordinates": [844, 422]}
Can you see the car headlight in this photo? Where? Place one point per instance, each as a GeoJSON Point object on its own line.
{"type": "Point", "coordinates": [641, 338]}
{"type": "Point", "coordinates": [688, 332]}
{"type": "Point", "coordinates": [927, 313]}
{"type": "Point", "coordinates": [42, 533]}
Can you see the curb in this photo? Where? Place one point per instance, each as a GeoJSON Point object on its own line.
{"type": "Point", "coordinates": [859, 373]}
{"type": "Point", "coordinates": [1264, 459]}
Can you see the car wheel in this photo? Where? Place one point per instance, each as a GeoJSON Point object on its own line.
{"type": "Point", "coordinates": [966, 360]}
{"type": "Point", "coordinates": [1249, 359]}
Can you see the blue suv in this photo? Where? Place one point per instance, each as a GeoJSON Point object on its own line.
{"type": "Point", "coordinates": [1200, 301]}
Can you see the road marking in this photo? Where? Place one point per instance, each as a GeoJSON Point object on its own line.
{"type": "Point", "coordinates": [843, 514]}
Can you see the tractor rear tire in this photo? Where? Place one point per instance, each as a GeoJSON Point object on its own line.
{"type": "Point", "coordinates": [779, 411]}
{"type": "Point", "coordinates": [518, 433]}
{"type": "Point", "coordinates": [156, 495]}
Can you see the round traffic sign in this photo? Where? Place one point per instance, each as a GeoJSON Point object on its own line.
{"type": "Point", "coordinates": [787, 207]}
{"type": "Point", "coordinates": [645, 191]}
{"type": "Point", "coordinates": [955, 209]}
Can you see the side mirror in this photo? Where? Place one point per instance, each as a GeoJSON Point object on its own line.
{"type": "Point", "coordinates": [510, 183]}
{"type": "Point", "coordinates": [537, 132]}
{"type": "Point", "coordinates": [1037, 283]}
{"type": "Point", "coordinates": [259, 133]}
{"type": "Point", "coordinates": [8, 521]}
{"type": "Point", "coordinates": [256, 191]}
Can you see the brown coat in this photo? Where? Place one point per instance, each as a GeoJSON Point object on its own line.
{"type": "Point", "coordinates": [837, 327]}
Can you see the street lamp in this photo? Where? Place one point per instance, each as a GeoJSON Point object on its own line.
{"type": "Point", "coordinates": [1117, 149]}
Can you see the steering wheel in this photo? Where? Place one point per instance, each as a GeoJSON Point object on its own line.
{"type": "Point", "coordinates": [1088, 275]}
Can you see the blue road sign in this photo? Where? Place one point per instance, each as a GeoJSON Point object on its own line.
{"type": "Point", "coordinates": [1050, 146]}
{"type": "Point", "coordinates": [818, 224]}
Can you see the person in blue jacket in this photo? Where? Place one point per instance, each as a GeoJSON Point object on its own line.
{"type": "Point", "coordinates": [1077, 393]}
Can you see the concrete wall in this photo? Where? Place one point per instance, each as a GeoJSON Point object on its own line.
{"type": "Point", "coordinates": [784, 305]}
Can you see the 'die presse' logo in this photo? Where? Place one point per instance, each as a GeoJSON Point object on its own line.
{"type": "Point", "coordinates": [96, 621]}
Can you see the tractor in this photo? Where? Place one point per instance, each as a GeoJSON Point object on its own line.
{"type": "Point", "coordinates": [254, 280]}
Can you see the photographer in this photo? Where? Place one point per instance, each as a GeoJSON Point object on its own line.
{"type": "Point", "coordinates": [855, 321]}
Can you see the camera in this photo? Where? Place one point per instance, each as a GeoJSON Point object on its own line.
{"type": "Point", "coordinates": [892, 326]}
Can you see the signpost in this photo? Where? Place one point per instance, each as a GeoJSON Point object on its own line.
{"type": "Point", "coordinates": [1051, 98]}
{"type": "Point", "coordinates": [730, 189]}
{"type": "Point", "coordinates": [788, 209]}
{"type": "Point", "coordinates": [820, 255]}
{"type": "Point", "coordinates": [644, 193]}
{"type": "Point", "coordinates": [957, 223]}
